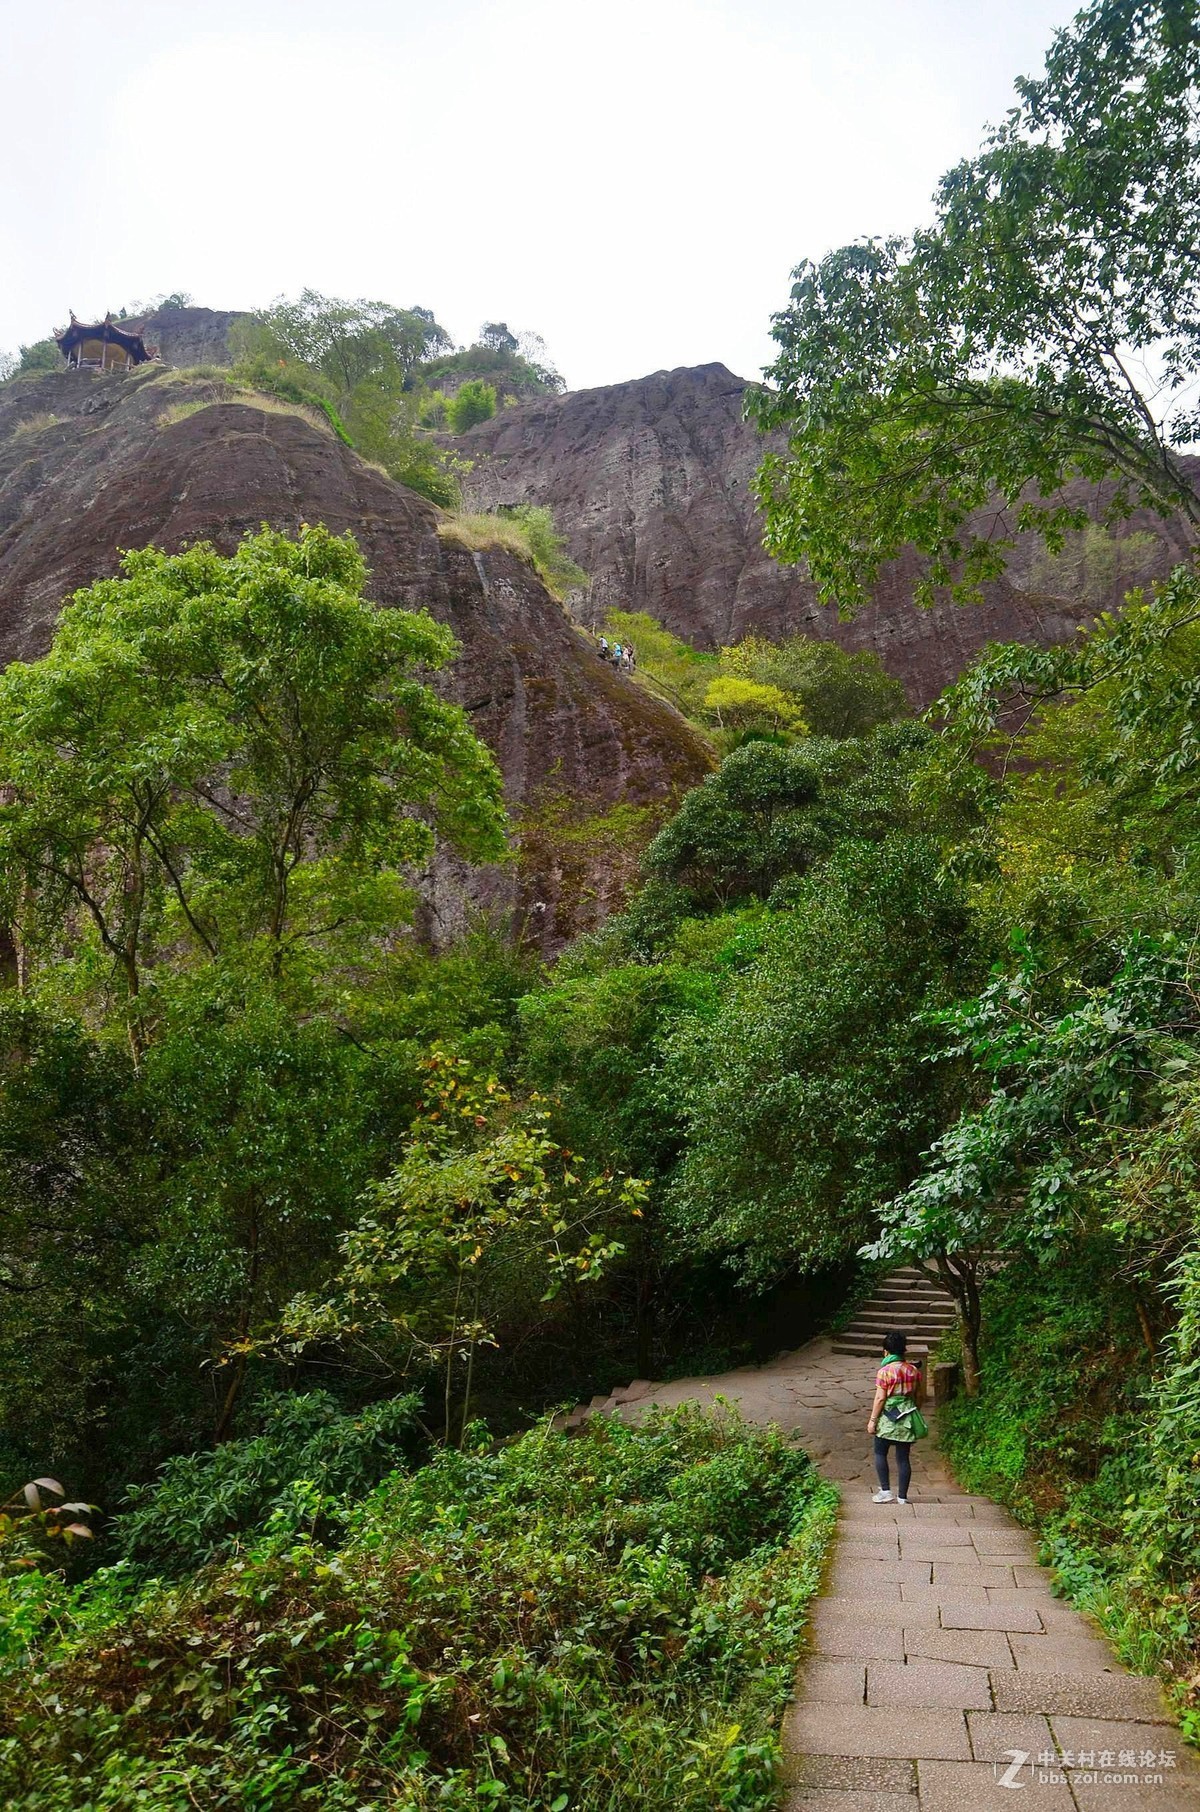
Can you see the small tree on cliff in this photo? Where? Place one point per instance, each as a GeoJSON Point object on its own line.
{"type": "Point", "coordinates": [475, 401]}
{"type": "Point", "coordinates": [224, 756]}
{"type": "Point", "coordinates": [1046, 327]}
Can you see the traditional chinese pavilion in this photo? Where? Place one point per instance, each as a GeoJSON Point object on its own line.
{"type": "Point", "coordinates": [102, 346]}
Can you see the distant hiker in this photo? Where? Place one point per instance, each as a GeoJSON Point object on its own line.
{"type": "Point", "coordinates": [617, 653]}
{"type": "Point", "coordinates": [603, 647]}
{"type": "Point", "coordinates": [629, 660]}
{"type": "Point", "coordinates": [896, 1419]}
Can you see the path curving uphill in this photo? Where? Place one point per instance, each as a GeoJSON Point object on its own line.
{"type": "Point", "coordinates": [942, 1675]}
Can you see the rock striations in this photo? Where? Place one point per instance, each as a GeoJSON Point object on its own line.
{"type": "Point", "coordinates": [651, 482]}
{"type": "Point", "coordinates": [90, 465]}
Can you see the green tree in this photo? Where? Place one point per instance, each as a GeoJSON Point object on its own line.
{"type": "Point", "coordinates": [745, 827]}
{"type": "Point", "coordinates": [770, 813]}
{"type": "Point", "coordinates": [360, 362]}
{"type": "Point", "coordinates": [42, 355]}
{"type": "Point", "coordinates": [748, 704]}
{"type": "Point", "coordinates": [231, 754]}
{"type": "Point", "coordinates": [75, 1210]}
{"type": "Point", "coordinates": [474, 401]}
{"type": "Point", "coordinates": [836, 692]}
{"type": "Point", "coordinates": [265, 1130]}
{"type": "Point", "coordinates": [1020, 1174]}
{"type": "Point", "coordinates": [808, 1096]}
{"type": "Point", "coordinates": [483, 1201]}
{"type": "Point", "coordinates": [496, 337]}
{"type": "Point", "coordinates": [349, 342]}
{"type": "Point", "coordinates": [1043, 328]}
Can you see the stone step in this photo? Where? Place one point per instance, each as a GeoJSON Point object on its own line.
{"type": "Point", "coordinates": [878, 1312]}
{"type": "Point", "coordinates": [910, 1296]}
{"type": "Point", "coordinates": [901, 1312]}
{"type": "Point", "coordinates": [885, 1324]}
{"type": "Point", "coordinates": [871, 1349]}
{"type": "Point", "coordinates": [913, 1295]}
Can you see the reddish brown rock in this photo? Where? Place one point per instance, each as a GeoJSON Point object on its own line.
{"type": "Point", "coordinates": [651, 482]}
{"type": "Point", "coordinates": [90, 465]}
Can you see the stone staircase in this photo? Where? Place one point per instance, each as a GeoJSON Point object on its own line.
{"type": "Point", "coordinates": [907, 1302]}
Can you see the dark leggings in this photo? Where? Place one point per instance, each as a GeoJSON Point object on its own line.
{"type": "Point", "coordinates": [903, 1465]}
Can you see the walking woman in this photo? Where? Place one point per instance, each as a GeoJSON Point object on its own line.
{"type": "Point", "coordinates": [896, 1419]}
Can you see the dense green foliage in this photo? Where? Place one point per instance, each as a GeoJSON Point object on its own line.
{"type": "Point", "coordinates": [554, 1623]}
{"type": "Point", "coordinates": [1091, 1442]}
{"type": "Point", "coordinates": [379, 373]}
{"type": "Point", "coordinates": [1043, 328]}
{"type": "Point", "coordinates": [474, 401]}
{"type": "Point", "coordinates": [779, 690]}
{"type": "Point", "coordinates": [218, 783]}
{"type": "Point", "coordinates": [357, 362]}
{"type": "Point", "coordinates": [514, 365]}
{"type": "Point", "coordinates": [303, 1472]}
{"type": "Point", "coordinates": [237, 755]}
{"type": "Point", "coordinates": [283, 1192]}
{"type": "Point", "coordinates": [43, 355]}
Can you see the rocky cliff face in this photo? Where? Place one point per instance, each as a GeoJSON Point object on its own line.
{"type": "Point", "coordinates": [651, 482]}
{"type": "Point", "coordinates": [188, 336]}
{"type": "Point", "coordinates": [90, 465]}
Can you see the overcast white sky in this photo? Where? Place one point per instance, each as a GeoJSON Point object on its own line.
{"type": "Point", "coordinates": [634, 180]}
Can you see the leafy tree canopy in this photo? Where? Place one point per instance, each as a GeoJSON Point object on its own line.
{"type": "Point", "coordinates": [769, 812]}
{"type": "Point", "coordinates": [496, 336]}
{"type": "Point", "coordinates": [349, 342]}
{"type": "Point", "coordinates": [1043, 328]}
{"type": "Point", "coordinates": [472, 402]}
{"type": "Point", "coordinates": [230, 754]}
{"type": "Point", "coordinates": [833, 691]}
{"type": "Point", "coordinates": [806, 1097]}
{"type": "Point", "coordinates": [748, 704]}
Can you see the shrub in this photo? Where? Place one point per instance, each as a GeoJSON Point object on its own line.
{"type": "Point", "coordinates": [594, 1622]}
{"type": "Point", "coordinates": [1073, 1431]}
{"type": "Point", "coordinates": [474, 402]}
{"type": "Point", "coordinates": [308, 1462]}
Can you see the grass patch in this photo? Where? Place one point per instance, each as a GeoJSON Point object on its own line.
{"type": "Point", "coordinates": [526, 530]}
{"type": "Point", "coordinates": [34, 424]}
{"type": "Point", "coordinates": [179, 412]}
{"type": "Point", "coordinates": [478, 530]}
{"type": "Point", "coordinates": [212, 374]}
{"type": "Point", "coordinates": [594, 1622]}
{"type": "Point", "coordinates": [252, 399]}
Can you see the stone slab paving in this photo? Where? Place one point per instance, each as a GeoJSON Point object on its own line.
{"type": "Point", "coordinates": [943, 1675]}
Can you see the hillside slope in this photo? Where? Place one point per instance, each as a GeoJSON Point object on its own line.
{"type": "Point", "coordinates": [651, 482]}
{"type": "Point", "coordinates": [90, 465]}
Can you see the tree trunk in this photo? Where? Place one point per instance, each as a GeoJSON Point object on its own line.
{"type": "Point", "coordinates": [646, 1303]}
{"type": "Point", "coordinates": [221, 1431]}
{"type": "Point", "coordinates": [1151, 1343]}
{"type": "Point", "coordinates": [960, 1274]}
{"type": "Point", "coordinates": [645, 1326]}
{"type": "Point", "coordinates": [451, 1349]}
{"type": "Point", "coordinates": [466, 1408]}
{"type": "Point", "coordinates": [225, 1419]}
{"type": "Point", "coordinates": [970, 1354]}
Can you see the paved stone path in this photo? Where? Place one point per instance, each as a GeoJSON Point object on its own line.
{"type": "Point", "coordinates": [939, 1656]}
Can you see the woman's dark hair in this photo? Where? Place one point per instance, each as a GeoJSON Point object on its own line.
{"type": "Point", "coordinates": [895, 1343]}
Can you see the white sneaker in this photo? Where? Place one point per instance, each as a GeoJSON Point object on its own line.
{"type": "Point", "coordinates": [882, 1497]}
{"type": "Point", "coordinates": [902, 1500]}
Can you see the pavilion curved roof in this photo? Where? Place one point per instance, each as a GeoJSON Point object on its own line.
{"type": "Point", "coordinates": [109, 332]}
